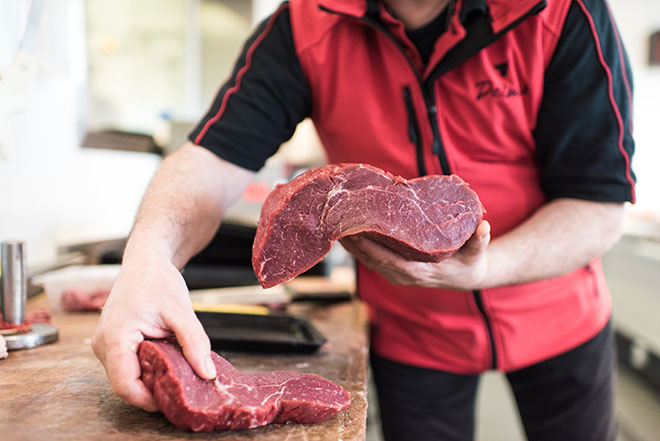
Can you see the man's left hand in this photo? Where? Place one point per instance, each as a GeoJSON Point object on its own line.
{"type": "Point", "coordinates": [465, 270]}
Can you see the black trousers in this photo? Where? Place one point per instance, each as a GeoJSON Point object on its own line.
{"type": "Point", "coordinates": [567, 398]}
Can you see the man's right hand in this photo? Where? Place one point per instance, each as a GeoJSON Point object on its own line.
{"type": "Point", "coordinates": [178, 216]}
{"type": "Point", "coordinates": [149, 300]}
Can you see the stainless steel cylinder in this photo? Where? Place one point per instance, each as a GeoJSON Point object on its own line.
{"type": "Point", "coordinates": [13, 282]}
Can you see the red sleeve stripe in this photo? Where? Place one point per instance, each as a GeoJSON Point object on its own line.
{"type": "Point", "coordinates": [623, 64]}
{"type": "Point", "coordinates": [617, 113]}
{"type": "Point", "coordinates": [241, 72]}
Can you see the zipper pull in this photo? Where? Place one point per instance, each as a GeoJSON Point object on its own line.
{"type": "Point", "coordinates": [433, 110]}
{"type": "Point", "coordinates": [412, 132]}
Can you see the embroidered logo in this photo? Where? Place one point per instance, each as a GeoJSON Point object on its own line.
{"type": "Point", "coordinates": [486, 88]}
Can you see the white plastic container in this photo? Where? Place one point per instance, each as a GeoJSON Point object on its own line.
{"type": "Point", "coordinates": [85, 279]}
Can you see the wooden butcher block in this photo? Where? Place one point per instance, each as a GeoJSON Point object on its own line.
{"type": "Point", "coordinates": [60, 391]}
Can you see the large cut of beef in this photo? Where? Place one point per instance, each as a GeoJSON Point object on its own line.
{"type": "Point", "coordinates": [424, 219]}
{"type": "Point", "coordinates": [235, 399]}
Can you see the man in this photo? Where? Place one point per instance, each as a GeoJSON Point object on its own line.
{"type": "Point", "coordinates": [528, 102]}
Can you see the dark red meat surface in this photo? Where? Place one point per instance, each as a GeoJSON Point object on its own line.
{"type": "Point", "coordinates": [236, 399]}
{"type": "Point", "coordinates": [38, 316]}
{"type": "Point", "coordinates": [423, 219]}
{"type": "Point", "coordinates": [84, 300]}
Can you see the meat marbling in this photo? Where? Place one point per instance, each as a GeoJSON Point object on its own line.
{"type": "Point", "coordinates": [236, 399]}
{"type": "Point", "coordinates": [423, 219]}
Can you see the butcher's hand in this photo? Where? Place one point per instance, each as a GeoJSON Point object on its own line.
{"type": "Point", "coordinates": [466, 269]}
{"type": "Point", "coordinates": [149, 300]}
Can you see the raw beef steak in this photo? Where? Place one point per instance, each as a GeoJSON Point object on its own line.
{"type": "Point", "coordinates": [235, 399]}
{"type": "Point", "coordinates": [84, 300]}
{"type": "Point", "coordinates": [423, 219]}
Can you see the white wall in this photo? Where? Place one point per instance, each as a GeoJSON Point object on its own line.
{"type": "Point", "coordinates": [51, 191]}
{"type": "Point", "coordinates": [637, 20]}
{"type": "Point", "coordinates": [263, 8]}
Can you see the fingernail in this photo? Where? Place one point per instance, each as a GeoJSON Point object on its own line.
{"type": "Point", "coordinates": [210, 368]}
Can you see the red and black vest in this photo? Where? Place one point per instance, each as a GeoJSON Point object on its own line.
{"type": "Point", "coordinates": [374, 101]}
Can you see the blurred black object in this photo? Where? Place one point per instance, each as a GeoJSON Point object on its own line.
{"type": "Point", "coordinates": [121, 140]}
{"type": "Point", "coordinates": [260, 333]}
{"type": "Point", "coordinates": [226, 261]}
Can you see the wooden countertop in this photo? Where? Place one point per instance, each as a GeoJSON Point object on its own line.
{"type": "Point", "coordinates": [60, 391]}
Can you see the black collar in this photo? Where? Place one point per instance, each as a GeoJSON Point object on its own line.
{"type": "Point", "coordinates": [373, 8]}
{"type": "Point", "coordinates": [472, 9]}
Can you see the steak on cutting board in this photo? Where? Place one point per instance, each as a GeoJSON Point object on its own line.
{"type": "Point", "coordinates": [235, 399]}
{"type": "Point", "coordinates": [423, 219]}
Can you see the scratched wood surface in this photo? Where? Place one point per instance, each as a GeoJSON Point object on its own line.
{"type": "Point", "coordinates": [60, 391]}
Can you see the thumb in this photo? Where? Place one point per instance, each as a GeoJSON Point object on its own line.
{"type": "Point", "coordinates": [195, 343]}
{"type": "Point", "coordinates": [477, 244]}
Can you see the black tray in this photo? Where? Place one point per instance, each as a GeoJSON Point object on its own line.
{"type": "Point", "coordinates": [260, 333]}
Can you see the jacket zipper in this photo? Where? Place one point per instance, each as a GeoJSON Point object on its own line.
{"type": "Point", "coordinates": [413, 131]}
{"type": "Point", "coordinates": [432, 112]}
{"type": "Point", "coordinates": [482, 310]}
{"type": "Point", "coordinates": [429, 102]}
{"type": "Point", "coordinates": [438, 148]}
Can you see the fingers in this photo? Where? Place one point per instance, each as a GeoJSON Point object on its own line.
{"type": "Point", "coordinates": [128, 318]}
{"type": "Point", "coordinates": [195, 343]}
{"type": "Point", "coordinates": [478, 243]}
{"type": "Point", "coordinates": [352, 245]}
{"type": "Point", "coordinates": [370, 253]}
{"type": "Point", "coordinates": [379, 254]}
{"type": "Point", "coordinates": [123, 369]}
{"type": "Point", "coordinates": [377, 257]}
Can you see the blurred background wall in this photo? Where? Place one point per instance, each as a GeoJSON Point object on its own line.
{"type": "Point", "coordinates": [151, 67]}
